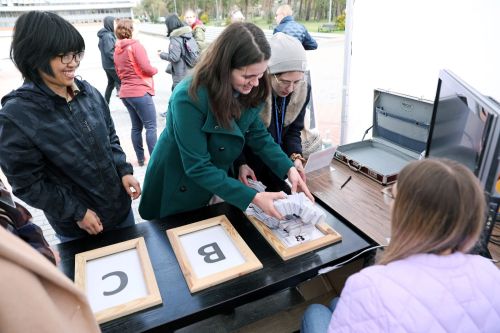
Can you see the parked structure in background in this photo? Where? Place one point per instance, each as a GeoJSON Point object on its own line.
{"type": "Point", "coordinates": [73, 11]}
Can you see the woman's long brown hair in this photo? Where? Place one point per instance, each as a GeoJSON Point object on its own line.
{"type": "Point", "coordinates": [239, 45]}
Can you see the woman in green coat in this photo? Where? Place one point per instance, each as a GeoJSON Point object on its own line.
{"type": "Point", "coordinates": [210, 117]}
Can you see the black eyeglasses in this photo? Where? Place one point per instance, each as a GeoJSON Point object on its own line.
{"type": "Point", "coordinates": [286, 83]}
{"type": "Point", "coordinates": [69, 57]}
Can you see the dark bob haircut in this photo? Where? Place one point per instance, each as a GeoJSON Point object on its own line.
{"type": "Point", "coordinates": [38, 38]}
{"type": "Point", "coordinates": [173, 22]}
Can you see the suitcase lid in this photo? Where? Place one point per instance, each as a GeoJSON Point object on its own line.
{"type": "Point", "coordinates": [401, 119]}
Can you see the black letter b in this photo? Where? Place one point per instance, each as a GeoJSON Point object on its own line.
{"type": "Point", "coordinates": [216, 251]}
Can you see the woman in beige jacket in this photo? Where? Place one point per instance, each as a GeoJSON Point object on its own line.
{"type": "Point", "coordinates": [36, 297]}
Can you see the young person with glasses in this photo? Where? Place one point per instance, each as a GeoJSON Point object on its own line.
{"type": "Point", "coordinates": [58, 145]}
{"type": "Point", "coordinates": [283, 112]}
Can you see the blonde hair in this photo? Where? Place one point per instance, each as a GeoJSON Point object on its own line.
{"type": "Point", "coordinates": [284, 10]}
{"type": "Point", "coordinates": [439, 206]}
{"type": "Point", "coordinates": [124, 29]}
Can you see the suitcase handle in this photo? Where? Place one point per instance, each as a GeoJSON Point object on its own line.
{"type": "Point", "coordinates": [353, 165]}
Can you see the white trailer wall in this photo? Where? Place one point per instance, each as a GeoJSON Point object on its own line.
{"type": "Point", "coordinates": [400, 45]}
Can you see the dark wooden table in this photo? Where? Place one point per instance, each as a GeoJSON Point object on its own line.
{"type": "Point", "coordinates": [180, 307]}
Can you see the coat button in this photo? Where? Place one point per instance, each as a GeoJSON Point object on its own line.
{"type": "Point", "coordinates": [216, 127]}
{"type": "Point", "coordinates": [183, 188]}
{"type": "Point", "coordinates": [221, 148]}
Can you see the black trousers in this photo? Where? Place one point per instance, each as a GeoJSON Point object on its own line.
{"type": "Point", "coordinates": [113, 82]}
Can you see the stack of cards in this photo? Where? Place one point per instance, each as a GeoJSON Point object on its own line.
{"type": "Point", "coordinates": [271, 222]}
{"type": "Point", "coordinates": [298, 211]}
{"type": "Point", "coordinates": [299, 205]}
{"type": "Point", "coordinates": [256, 185]}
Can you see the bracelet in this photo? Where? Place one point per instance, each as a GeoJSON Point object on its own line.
{"type": "Point", "coordinates": [296, 156]}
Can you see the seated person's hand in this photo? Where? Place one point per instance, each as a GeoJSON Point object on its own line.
{"type": "Point", "coordinates": [298, 184]}
{"type": "Point", "coordinates": [132, 186]}
{"type": "Point", "coordinates": [91, 223]}
{"type": "Point", "coordinates": [244, 173]}
{"type": "Point", "coordinates": [265, 201]}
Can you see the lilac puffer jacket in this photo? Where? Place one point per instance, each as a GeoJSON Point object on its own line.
{"type": "Point", "coordinates": [422, 293]}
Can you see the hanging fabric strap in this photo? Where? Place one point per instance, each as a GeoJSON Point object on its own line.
{"type": "Point", "coordinates": [279, 122]}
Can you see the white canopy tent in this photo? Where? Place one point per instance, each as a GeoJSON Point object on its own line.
{"type": "Point", "coordinates": [400, 45]}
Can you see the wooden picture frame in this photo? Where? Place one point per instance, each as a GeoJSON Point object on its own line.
{"type": "Point", "coordinates": [330, 236]}
{"type": "Point", "coordinates": [149, 295]}
{"type": "Point", "coordinates": [201, 275]}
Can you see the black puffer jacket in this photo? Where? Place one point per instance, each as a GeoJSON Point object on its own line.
{"type": "Point", "coordinates": [64, 158]}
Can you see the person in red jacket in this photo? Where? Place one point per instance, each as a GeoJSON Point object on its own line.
{"type": "Point", "coordinates": [136, 75]}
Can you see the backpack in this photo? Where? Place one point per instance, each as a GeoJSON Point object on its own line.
{"type": "Point", "coordinates": [190, 52]}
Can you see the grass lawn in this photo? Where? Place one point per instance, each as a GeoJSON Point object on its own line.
{"type": "Point", "coordinates": [311, 26]}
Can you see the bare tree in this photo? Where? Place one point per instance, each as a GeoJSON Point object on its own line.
{"type": "Point", "coordinates": [309, 4]}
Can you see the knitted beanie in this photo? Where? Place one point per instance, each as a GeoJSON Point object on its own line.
{"type": "Point", "coordinates": [287, 54]}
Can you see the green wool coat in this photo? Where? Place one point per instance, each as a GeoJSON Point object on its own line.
{"type": "Point", "coordinates": [194, 153]}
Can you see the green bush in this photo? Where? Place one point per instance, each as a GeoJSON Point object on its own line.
{"type": "Point", "coordinates": [341, 21]}
{"type": "Point", "coordinates": [204, 18]}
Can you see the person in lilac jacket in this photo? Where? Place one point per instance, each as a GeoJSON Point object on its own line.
{"type": "Point", "coordinates": [425, 280]}
{"type": "Point", "coordinates": [136, 75]}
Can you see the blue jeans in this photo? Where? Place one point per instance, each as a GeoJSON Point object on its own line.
{"type": "Point", "coordinates": [317, 317]}
{"type": "Point", "coordinates": [129, 220]}
{"type": "Point", "coordinates": [142, 114]}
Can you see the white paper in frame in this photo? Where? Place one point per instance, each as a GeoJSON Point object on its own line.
{"type": "Point", "coordinates": [210, 252]}
{"type": "Point", "coordinates": [329, 236]}
{"type": "Point", "coordinates": [117, 279]}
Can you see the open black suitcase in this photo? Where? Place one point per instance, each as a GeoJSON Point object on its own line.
{"type": "Point", "coordinates": [399, 135]}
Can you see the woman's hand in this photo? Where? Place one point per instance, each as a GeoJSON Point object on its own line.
{"type": "Point", "coordinates": [300, 168]}
{"type": "Point", "coordinates": [244, 173]}
{"type": "Point", "coordinates": [132, 186]}
{"type": "Point", "coordinates": [297, 183]}
{"type": "Point", "coordinates": [91, 223]}
{"type": "Point", "coordinates": [265, 201]}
